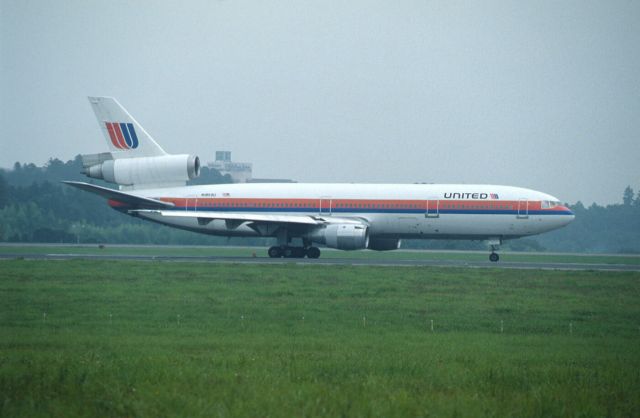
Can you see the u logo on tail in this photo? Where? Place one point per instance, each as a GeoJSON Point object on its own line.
{"type": "Point", "coordinates": [123, 135]}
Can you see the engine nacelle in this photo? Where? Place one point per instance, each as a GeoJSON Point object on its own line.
{"type": "Point", "coordinates": [343, 236]}
{"type": "Point", "coordinates": [384, 244]}
{"type": "Point", "coordinates": [166, 169]}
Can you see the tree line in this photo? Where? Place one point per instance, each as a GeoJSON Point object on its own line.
{"type": "Point", "coordinates": [36, 207]}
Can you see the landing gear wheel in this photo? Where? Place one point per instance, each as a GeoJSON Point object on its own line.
{"type": "Point", "coordinates": [313, 252]}
{"type": "Point", "coordinates": [494, 257]}
{"type": "Point", "coordinates": [275, 252]}
{"type": "Point", "coordinates": [293, 252]}
{"type": "Point", "coordinates": [298, 252]}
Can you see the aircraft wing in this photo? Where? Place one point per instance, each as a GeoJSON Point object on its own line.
{"type": "Point", "coordinates": [234, 217]}
{"type": "Point", "coordinates": [111, 194]}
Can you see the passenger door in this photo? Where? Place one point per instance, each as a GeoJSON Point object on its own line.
{"type": "Point", "coordinates": [523, 209]}
{"type": "Point", "coordinates": [432, 209]}
{"type": "Point", "coordinates": [191, 203]}
{"type": "Point", "coordinates": [325, 206]}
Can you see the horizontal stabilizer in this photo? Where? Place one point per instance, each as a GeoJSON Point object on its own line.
{"type": "Point", "coordinates": [130, 199]}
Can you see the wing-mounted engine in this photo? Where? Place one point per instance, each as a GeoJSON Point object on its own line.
{"type": "Point", "coordinates": [142, 172]}
{"type": "Point", "coordinates": [342, 236]}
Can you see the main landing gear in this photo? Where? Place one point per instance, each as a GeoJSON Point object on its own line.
{"type": "Point", "coordinates": [293, 252]}
{"type": "Point", "coordinates": [283, 249]}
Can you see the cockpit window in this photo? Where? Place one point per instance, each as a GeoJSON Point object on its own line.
{"type": "Point", "coordinates": [549, 204]}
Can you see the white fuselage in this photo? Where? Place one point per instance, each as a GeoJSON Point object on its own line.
{"type": "Point", "coordinates": [452, 211]}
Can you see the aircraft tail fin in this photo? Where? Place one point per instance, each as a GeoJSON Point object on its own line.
{"type": "Point", "coordinates": [125, 137]}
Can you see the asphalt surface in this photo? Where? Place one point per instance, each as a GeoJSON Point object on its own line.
{"type": "Point", "coordinates": [334, 261]}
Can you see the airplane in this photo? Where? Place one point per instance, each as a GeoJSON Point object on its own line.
{"type": "Point", "coordinates": [152, 186]}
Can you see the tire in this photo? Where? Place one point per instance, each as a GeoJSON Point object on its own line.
{"type": "Point", "coordinates": [275, 252]}
{"type": "Point", "coordinates": [493, 257]}
{"type": "Point", "coordinates": [313, 252]}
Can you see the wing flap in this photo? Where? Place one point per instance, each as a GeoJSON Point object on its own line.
{"type": "Point", "coordinates": [253, 217]}
{"type": "Point", "coordinates": [231, 216]}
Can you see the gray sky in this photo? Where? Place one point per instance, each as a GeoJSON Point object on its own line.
{"type": "Point", "coordinates": [536, 94]}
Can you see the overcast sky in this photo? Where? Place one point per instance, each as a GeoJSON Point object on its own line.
{"type": "Point", "coordinates": [538, 94]}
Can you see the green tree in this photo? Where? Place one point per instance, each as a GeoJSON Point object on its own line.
{"type": "Point", "coordinates": [4, 192]}
{"type": "Point", "coordinates": [627, 197]}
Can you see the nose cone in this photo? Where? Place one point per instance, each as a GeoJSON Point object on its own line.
{"type": "Point", "coordinates": [568, 217]}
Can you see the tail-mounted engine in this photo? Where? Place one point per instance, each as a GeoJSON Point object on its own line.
{"type": "Point", "coordinates": [165, 170]}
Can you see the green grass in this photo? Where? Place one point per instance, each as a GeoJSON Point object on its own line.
{"type": "Point", "coordinates": [178, 339]}
{"type": "Point", "coordinates": [203, 251]}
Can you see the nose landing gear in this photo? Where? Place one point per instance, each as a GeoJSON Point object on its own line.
{"type": "Point", "coordinates": [494, 244]}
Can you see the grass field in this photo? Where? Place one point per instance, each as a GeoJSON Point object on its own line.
{"type": "Point", "coordinates": [107, 338]}
{"type": "Point", "coordinates": [203, 251]}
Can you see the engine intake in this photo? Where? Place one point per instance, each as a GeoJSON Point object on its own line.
{"type": "Point", "coordinates": [343, 236]}
{"type": "Point", "coordinates": [167, 169]}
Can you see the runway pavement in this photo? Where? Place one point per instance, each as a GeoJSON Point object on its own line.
{"type": "Point", "coordinates": [333, 261]}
